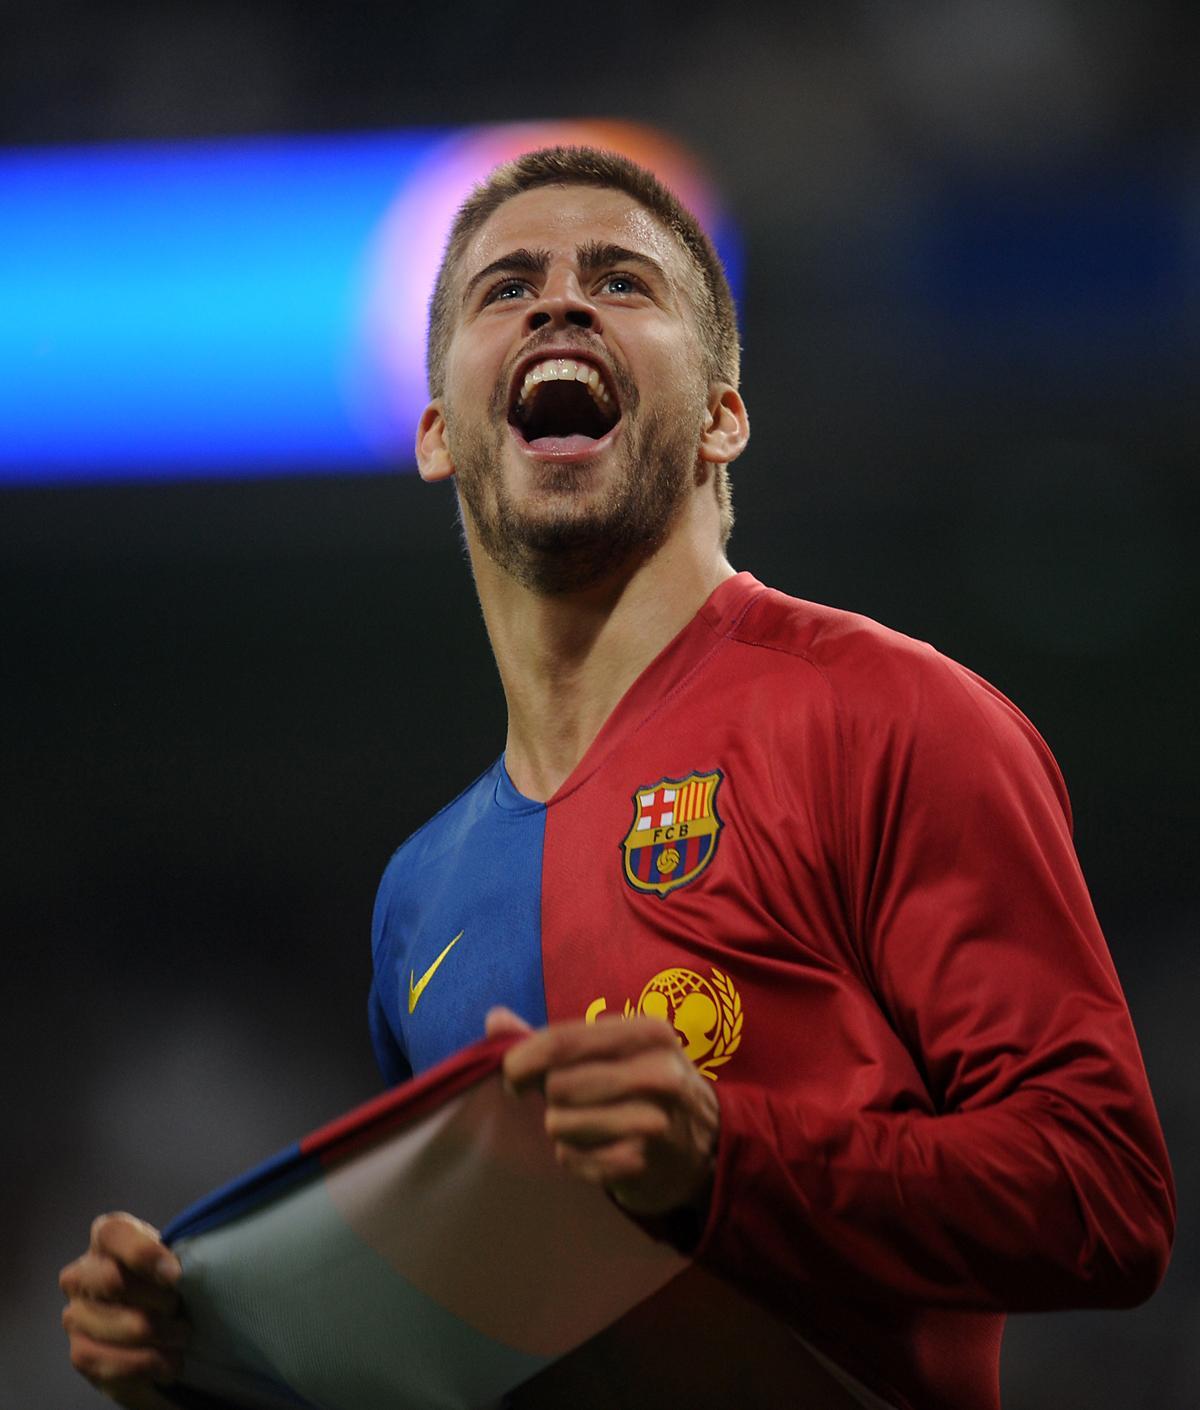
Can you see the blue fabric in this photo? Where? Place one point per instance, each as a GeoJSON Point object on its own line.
{"type": "Point", "coordinates": [473, 871]}
{"type": "Point", "coordinates": [266, 1181]}
{"type": "Point", "coordinates": [388, 1052]}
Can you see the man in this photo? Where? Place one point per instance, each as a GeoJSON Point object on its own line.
{"type": "Point", "coordinates": [789, 900]}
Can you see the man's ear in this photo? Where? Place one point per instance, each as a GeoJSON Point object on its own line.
{"type": "Point", "coordinates": [433, 454]}
{"type": "Point", "coordinates": [726, 425]}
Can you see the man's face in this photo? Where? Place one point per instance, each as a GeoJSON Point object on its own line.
{"type": "Point", "coordinates": [575, 390]}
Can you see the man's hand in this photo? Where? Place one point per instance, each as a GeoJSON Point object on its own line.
{"type": "Point", "coordinates": [624, 1107]}
{"type": "Point", "coordinates": [122, 1314]}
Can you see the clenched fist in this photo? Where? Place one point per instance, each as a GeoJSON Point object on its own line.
{"type": "Point", "coordinates": [122, 1314]}
{"type": "Point", "coordinates": [624, 1107]}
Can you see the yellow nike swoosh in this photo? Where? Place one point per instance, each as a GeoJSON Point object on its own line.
{"type": "Point", "coordinates": [416, 990]}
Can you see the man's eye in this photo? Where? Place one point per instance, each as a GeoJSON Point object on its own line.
{"type": "Point", "coordinates": [621, 284]}
{"type": "Point", "coordinates": [508, 290]}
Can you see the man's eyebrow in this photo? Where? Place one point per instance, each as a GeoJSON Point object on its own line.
{"type": "Point", "coordinates": [600, 254]}
{"type": "Point", "coordinates": [520, 261]}
{"type": "Point", "coordinates": [593, 256]}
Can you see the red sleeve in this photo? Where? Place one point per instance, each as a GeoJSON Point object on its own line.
{"type": "Point", "coordinates": [1040, 1178]}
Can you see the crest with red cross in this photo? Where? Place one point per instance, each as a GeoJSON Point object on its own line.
{"type": "Point", "coordinates": [674, 832]}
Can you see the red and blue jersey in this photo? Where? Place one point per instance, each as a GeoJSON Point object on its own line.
{"type": "Point", "coordinates": [840, 865]}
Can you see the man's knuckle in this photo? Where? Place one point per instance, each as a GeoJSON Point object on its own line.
{"type": "Point", "coordinates": [557, 1049]}
{"type": "Point", "coordinates": [658, 1123]}
{"type": "Point", "coordinates": [95, 1275]}
{"type": "Point", "coordinates": [105, 1279]}
{"type": "Point", "coordinates": [144, 1362]}
{"type": "Point", "coordinates": [558, 1086]}
{"type": "Point", "coordinates": [660, 1090]}
{"type": "Point", "coordinates": [673, 1079]}
{"type": "Point", "coordinates": [134, 1326]}
{"type": "Point", "coordinates": [106, 1368]}
{"type": "Point", "coordinates": [84, 1358]}
{"type": "Point", "coordinates": [628, 1159]}
{"type": "Point", "coordinates": [108, 1223]}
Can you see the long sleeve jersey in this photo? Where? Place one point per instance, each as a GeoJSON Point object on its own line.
{"type": "Point", "coordinates": [840, 865]}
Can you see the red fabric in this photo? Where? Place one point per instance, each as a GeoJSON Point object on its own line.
{"type": "Point", "coordinates": [407, 1103]}
{"type": "Point", "coordinates": [936, 1110]}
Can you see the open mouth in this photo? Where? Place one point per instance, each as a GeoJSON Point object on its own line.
{"type": "Point", "coordinates": [563, 406]}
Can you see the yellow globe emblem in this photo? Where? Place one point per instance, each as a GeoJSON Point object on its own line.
{"type": "Point", "coordinates": [668, 861]}
{"type": "Point", "coordinates": [706, 1016]}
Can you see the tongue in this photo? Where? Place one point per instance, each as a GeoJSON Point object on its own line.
{"type": "Point", "coordinates": [561, 445]}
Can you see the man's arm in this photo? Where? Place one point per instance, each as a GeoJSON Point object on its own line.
{"type": "Point", "coordinates": [1036, 1176]}
{"type": "Point", "coordinates": [1040, 1178]}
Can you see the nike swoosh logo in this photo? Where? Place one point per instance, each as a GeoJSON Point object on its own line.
{"type": "Point", "coordinates": [416, 990]}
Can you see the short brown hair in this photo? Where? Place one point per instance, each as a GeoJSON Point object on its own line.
{"type": "Point", "coordinates": [588, 166]}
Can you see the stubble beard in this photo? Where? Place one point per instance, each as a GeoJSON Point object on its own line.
{"type": "Point", "coordinates": [562, 545]}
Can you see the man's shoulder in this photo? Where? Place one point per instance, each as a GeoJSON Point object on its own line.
{"type": "Point", "coordinates": [840, 644]}
{"type": "Point", "coordinates": [887, 695]}
{"type": "Point", "coordinates": [442, 835]}
{"type": "Point", "coordinates": [868, 669]}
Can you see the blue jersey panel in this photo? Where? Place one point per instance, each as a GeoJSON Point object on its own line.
{"type": "Point", "coordinates": [388, 1053]}
{"type": "Point", "coordinates": [458, 926]}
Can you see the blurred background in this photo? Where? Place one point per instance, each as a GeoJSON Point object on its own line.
{"type": "Point", "coordinates": [969, 236]}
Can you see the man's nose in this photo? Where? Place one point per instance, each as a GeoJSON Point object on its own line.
{"type": "Point", "coordinates": [562, 303]}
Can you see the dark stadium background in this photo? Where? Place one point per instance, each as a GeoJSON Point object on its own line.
{"type": "Point", "coordinates": [971, 307]}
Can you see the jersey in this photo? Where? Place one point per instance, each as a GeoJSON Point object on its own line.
{"type": "Point", "coordinates": [841, 865]}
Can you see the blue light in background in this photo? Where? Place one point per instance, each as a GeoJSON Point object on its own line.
{"type": "Point", "coordinates": [254, 306]}
{"type": "Point", "coordinates": [175, 308]}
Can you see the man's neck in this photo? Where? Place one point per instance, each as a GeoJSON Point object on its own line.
{"type": "Point", "coordinates": [566, 659]}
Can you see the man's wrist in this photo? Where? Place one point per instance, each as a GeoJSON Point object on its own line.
{"type": "Point", "coordinates": [682, 1227]}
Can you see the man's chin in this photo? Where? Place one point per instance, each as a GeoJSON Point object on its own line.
{"type": "Point", "coordinates": [560, 525]}
{"type": "Point", "coordinates": [561, 552]}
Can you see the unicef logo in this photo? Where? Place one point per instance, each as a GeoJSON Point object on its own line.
{"type": "Point", "coordinates": [706, 1014]}
{"type": "Point", "coordinates": [689, 1004]}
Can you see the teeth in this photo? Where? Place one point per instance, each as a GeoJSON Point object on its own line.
{"type": "Point", "coordinates": [564, 369]}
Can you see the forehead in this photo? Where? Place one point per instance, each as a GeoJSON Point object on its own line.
{"type": "Point", "coordinates": [561, 218]}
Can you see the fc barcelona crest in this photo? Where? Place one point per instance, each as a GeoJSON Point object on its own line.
{"type": "Point", "coordinates": [674, 833]}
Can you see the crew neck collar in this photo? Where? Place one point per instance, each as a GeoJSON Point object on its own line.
{"type": "Point", "coordinates": [508, 796]}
